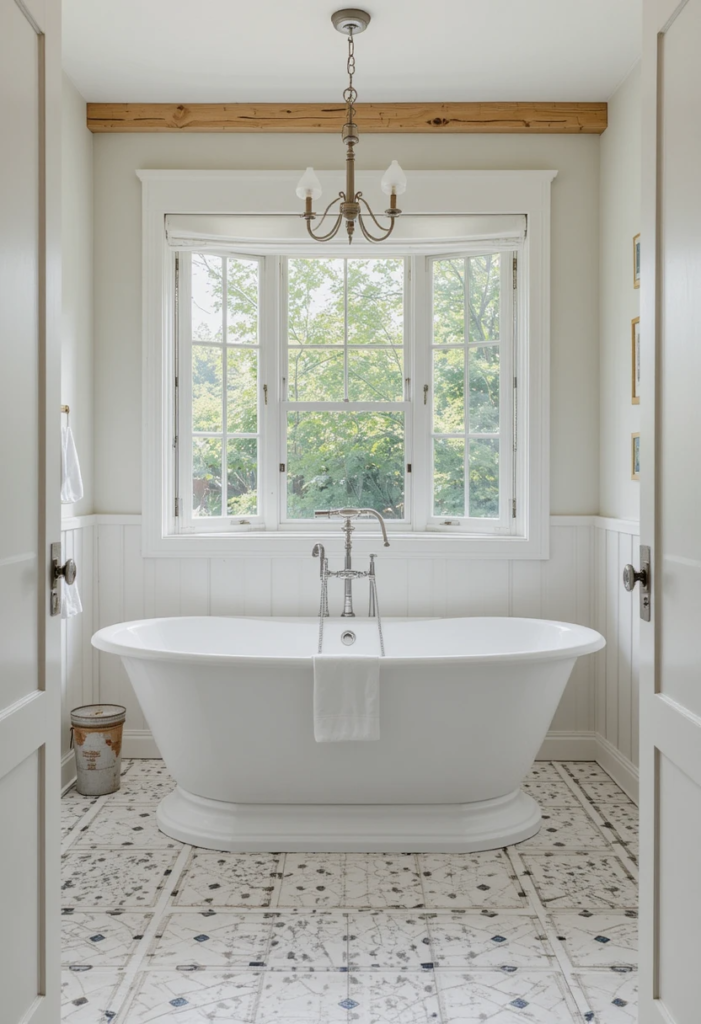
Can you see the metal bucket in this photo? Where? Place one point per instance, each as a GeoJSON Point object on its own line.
{"type": "Point", "coordinates": [97, 738]}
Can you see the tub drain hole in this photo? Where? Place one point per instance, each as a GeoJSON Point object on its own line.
{"type": "Point", "coordinates": [348, 637]}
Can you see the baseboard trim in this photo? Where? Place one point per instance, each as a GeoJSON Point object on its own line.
{"type": "Point", "coordinates": [68, 774]}
{"type": "Point", "coordinates": [139, 743]}
{"type": "Point", "coordinates": [619, 767]}
{"type": "Point", "coordinates": [560, 745]}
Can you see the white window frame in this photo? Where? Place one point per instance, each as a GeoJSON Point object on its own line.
{"type": "Point", "coordinates": [445, 192]}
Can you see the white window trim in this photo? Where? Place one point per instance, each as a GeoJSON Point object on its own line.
{"type": "Point", "coordinates": [261, 192]}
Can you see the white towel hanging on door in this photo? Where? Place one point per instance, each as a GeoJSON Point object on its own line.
{"type": "Point", "coordinates": [71, 479]}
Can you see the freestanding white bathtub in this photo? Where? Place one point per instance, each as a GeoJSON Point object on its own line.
{"type": "Point", "coordinates": [464, 707]}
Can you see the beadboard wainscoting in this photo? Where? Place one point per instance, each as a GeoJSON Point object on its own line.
{"type": "Point", "coordinates": [616, 616]}
{"type": "Point", "coordinates": [580, 582]}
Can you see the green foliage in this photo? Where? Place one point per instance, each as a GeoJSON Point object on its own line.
{"type": "Point", "coordinates": [345, 335]}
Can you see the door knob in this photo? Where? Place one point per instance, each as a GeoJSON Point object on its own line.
{"type": "Point", "coordinates": [66, 572]}
{"type": "Point", "coordinates": [631, 577]}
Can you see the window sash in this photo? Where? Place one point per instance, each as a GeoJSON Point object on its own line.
{"type": "Point", "coordinates": [188, 522]}
{"type": "Point", "coordinates": [418, 347]}
{"type": "Point", "coordinates": [504, 522]}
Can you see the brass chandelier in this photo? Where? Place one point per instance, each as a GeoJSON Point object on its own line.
{"type": "Point", "coordinates": [353, 206]}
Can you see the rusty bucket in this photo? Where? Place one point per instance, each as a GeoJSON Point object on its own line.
{"type": "Point", "coordinates": [97, 738]}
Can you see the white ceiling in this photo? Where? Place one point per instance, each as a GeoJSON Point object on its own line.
{"type": "Point", "coordinates": [273, 50]}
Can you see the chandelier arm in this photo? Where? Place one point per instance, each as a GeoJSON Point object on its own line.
{"type": "Point", "coordinates": [366, 204]}
{"type": "Point", "coordinates": [330, 234]}
{"type": "Point", "coordinates": [370, 237]}
{"type": "Point", "coordinates": [339, 199]}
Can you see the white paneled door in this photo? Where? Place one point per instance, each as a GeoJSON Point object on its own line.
{"type": "Point", "coordinates": [670, 698]}
{"type": "Point", "coordinates": [30, 86]}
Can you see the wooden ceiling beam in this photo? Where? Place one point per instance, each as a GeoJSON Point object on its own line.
{"type": "Point", "coordinates": [424, 118]}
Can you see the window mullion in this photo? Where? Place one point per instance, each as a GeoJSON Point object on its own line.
{"type": "Point", "coordinates": [224, 389]}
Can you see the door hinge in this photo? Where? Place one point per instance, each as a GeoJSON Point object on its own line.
{"type": "Point", "coordinates": [176, 508]}
{"type": "Point", "coordinates": [282, 467]}
{"type": "Point", "coordinates": [513, 508]}
{"type": "Point", "coordinates": [408, 467]}
{"type": "Point", "coordinates": [515, 270]}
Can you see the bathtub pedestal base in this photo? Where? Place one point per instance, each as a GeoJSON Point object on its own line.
{"type": "Point", "coordinates": [349, 828]}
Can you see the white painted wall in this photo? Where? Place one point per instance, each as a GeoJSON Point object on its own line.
{"type": "Point", "coordinates": [617, 540]}
{"type": "Point", "coordinates": [77, 347]}
{"type": "Point", "coordinates": [575, 248]}
{"type": "Point", "coordinates": [620, 302]}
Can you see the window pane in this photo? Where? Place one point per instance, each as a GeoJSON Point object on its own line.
{"type": "Point", "coordinates": [375, 302]}
{"type": "Point", "coordinates": [315, 375]}
{"type": "Point", "coordinates": [315, 302]}
{"type": "Point", "coordinates": [339, 459]}
{"type": "Point", "coordinates": [242, 477]}
{"type": "Point", "coordinates": [449, 391]}
{"type": "Point", "coordinates": [449, 302]}
{"type": "Point", "coordinates": [448, 476]}
{"type": "Point", "coordinates": [485, 278]}
{"type": "Point", "coordinates": [242, 301]}
{"type": "Point", "coordinates": [207, 276]}
{"type": "Point", "coordinates": [206, 476]}
{"type": "Point", "coordinates": [206, 388]}
{"type": "Point", "coordinates": [376, 375]}
{"type": "Point", "coordinates": [484, 389]}
{"type": "Point", "coordinates": [484, 478]}
{"type": "Point", "coordinates": [242, 391]}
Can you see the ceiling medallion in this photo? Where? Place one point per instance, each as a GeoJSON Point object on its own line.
{"type": "Point", "coordinates": [353, 206]}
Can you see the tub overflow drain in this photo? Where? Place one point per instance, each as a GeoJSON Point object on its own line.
{"type": "Point", "coordinates": [348, 637]}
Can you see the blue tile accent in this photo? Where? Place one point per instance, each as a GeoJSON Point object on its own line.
{"type": "Point", "coordinates": [508, 968]}
{"type": "Point", "coordinates": [96, 938]}
{"type": "Point", "coordinates": [484, 887]}
{"type": "Point", "coordinates": [619, 1002]}
{"type": "Point", "coordinates": [498, 938]}
{"type": "Point", "coordinates": [201, 938]}
{"type": "Point", "coordinates": [348, 1004]}
{"type": "Point", "coordinates": [520, 1004]}
{"type": "Point", "coordinates": [80, 1002]}
{"type": "Point", "coordinates": [178, 1002]}
{"type": "Point", "coordinates": [589, 1015]}
{"type": "Point", "coordinates": [257, 963]}
{"type": "Point", "coordinates": [602, 939]}
{"type": "Point", "coordinates": [427, 967]}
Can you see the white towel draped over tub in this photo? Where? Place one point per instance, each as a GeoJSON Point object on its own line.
{"type": "Point", "coordinates": [346, 698]}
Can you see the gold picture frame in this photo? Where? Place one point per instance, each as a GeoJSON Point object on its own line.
{"type": "Point", "coordinates": [636, 261]}
{"type": "Point", "coordinates": [635, 456]}
{"type": "Point", "coordinates": [635, 360]}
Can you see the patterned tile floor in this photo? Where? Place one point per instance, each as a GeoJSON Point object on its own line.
{"type": "Point", "coordinates": [543, 932]}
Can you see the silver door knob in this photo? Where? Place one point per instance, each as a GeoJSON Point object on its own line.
{"type": "Point", "coordinates": [631, 577]}
{"type": "Point", "coordinates": [68, 571]}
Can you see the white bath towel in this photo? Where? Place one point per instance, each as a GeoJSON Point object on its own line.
{"type": "Point", "coordinates": [71, 479]}
{"type": "Point", "coordinates": [346, 698]}
{"type": "Point", "coordinates": [70, 604]}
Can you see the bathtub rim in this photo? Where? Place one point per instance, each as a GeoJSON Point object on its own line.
{"type": "Point", "coordinates": [103, 640]}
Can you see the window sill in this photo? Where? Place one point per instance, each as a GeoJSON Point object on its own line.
{"type": "Point", "coordinates": [259, 544]}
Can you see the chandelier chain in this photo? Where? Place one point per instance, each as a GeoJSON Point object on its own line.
{"type": "Point", "coordinates": [349, 94]}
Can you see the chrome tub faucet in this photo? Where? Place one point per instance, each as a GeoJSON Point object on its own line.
{"type": "Point", "coordinates": [348, 573]}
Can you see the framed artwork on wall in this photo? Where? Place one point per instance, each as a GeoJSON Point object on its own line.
{"type": "Point", "coordinates": [635, 360]}
{"type": "Point", "coordinates": [636, 261]}
{"type": "Point", "coordinates": [635, 456]}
